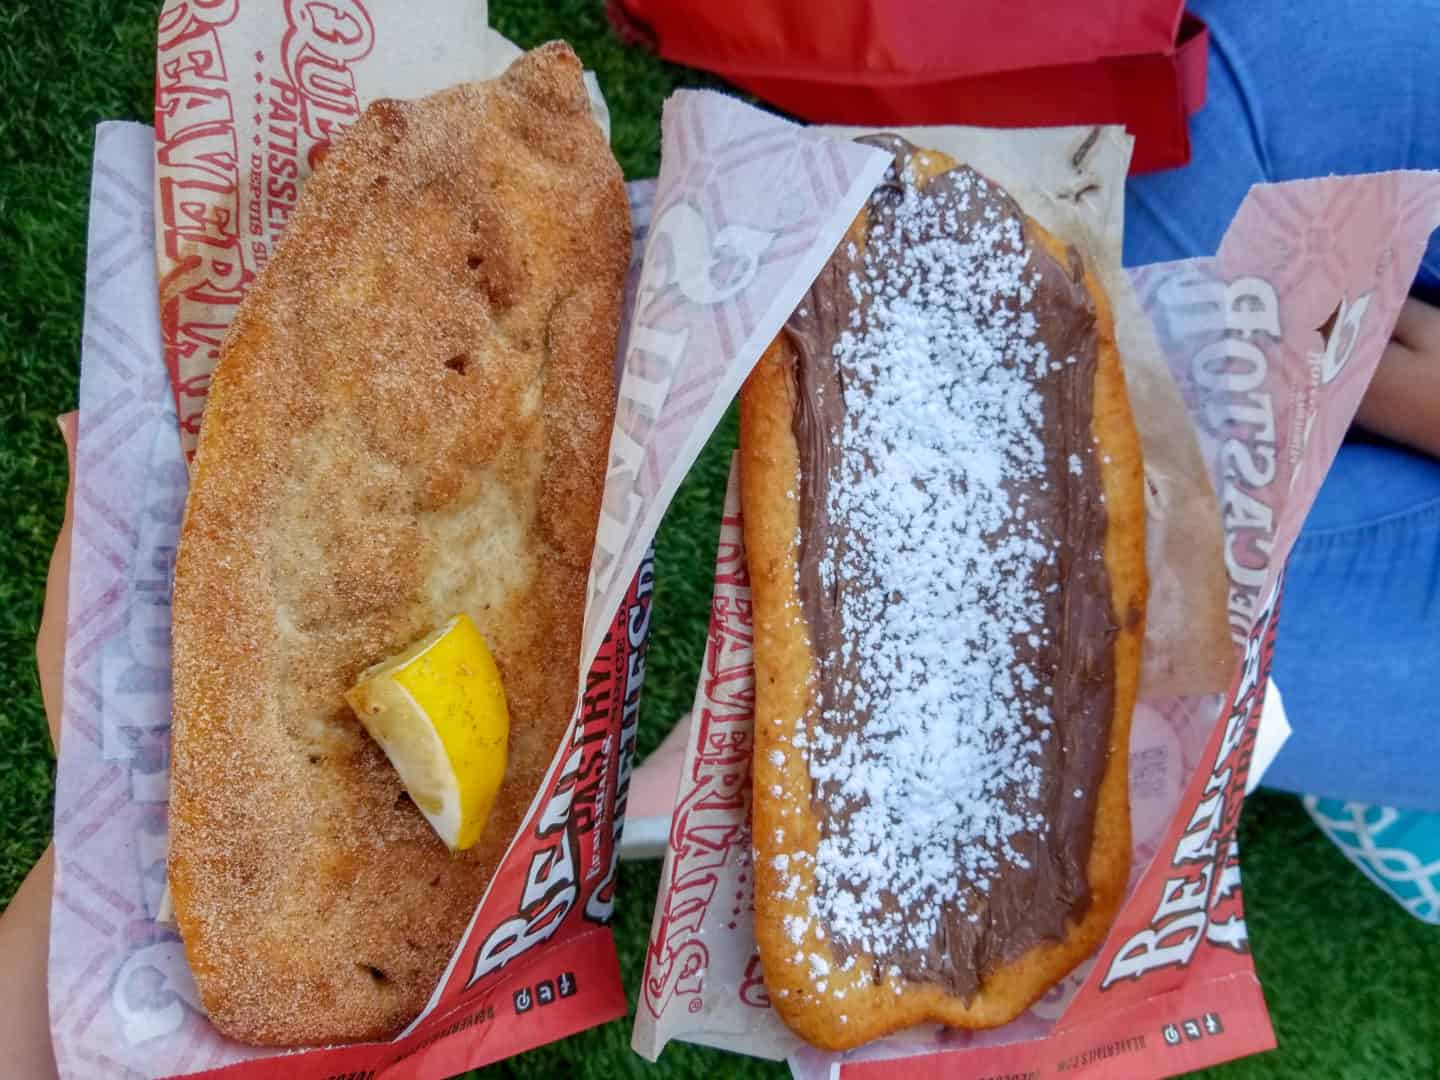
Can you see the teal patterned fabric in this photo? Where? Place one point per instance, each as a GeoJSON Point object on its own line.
{"type": "Point", "coordinates": [1399, 850]}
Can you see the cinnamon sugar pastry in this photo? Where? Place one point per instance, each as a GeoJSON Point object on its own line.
{"type": "Point", "coordinates": [410, 419]}
{"type": "Point", "coordinates": [941, 484]}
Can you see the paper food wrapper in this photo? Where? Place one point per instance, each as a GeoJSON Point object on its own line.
{"type": "Point", "coordinates": [1270, 345]}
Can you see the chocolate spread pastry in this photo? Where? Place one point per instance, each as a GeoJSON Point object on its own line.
{"type": "Point", "coordinates": [1019, 847]}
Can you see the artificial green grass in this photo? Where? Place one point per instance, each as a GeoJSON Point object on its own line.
{"type": "Point", "coordinates": [1351, 980]}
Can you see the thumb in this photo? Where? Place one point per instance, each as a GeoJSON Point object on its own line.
{"type": "Point", "coordinates": [50, 640]}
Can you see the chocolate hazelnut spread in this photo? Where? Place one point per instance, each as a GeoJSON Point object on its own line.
{"type": "Point", "coordinates": [1028, 877]}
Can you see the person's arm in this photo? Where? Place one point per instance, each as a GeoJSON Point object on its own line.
{"type": "Point", "coordinates": [24, 954]}
{"type": "Point", "coordinates": [25, 922]}
{"type": "Point", "coordinates": [1403, 401]}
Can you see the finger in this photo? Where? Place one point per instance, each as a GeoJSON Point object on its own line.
{"type": "Point", "coordinates": [50, 640]}
{"type": "Point", "coordinates": [1418, 326]}
{"type": "Point", "coordinates": [1402, 401]}
{"type": "Point", "coordinates": [654, 782]}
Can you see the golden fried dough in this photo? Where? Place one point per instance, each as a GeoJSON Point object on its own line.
{"type": "Point", "coordinates": [949, 599]}
{"type": "Point", "coordinates": [410, 418]}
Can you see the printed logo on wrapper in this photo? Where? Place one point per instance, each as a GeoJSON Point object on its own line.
{"type": "Point", "coordinates": [323, 39]}
{"type": "Point", "coordinates": [1341, 334]}
{"type": "Point", "coordinates": [1199, 892]}
{"type": "Point", "coordinates": [1239, 321]}
{"type": "Point", "coordinates": [201, 263]}
{"type": "Point", "coordinates": [153, 993]}
{"type": "Point", "coordinates": [578, 805]}
{"type": "Point", "coordinates": [249, 96]}
{"type": "Point", "coordinates": [710, 829]}
{"type": "Point", "coordinates": [216, 235]}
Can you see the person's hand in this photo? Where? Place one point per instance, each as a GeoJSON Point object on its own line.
{"type": "Point", "coordinates": [50, 640]}
{"type": "Point", "coordinates": [1403, 400]}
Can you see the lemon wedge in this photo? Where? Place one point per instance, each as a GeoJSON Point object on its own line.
{"type": "Point", "coordinates": [438, 711]}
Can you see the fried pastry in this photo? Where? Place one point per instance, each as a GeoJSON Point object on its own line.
{"type": "Point", "coordinates": [941, 488]}
{"type": "Point", "coordinates": [409, 420]}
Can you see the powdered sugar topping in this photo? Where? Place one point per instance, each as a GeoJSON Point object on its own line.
{"type": "Point", "coordinates": [932, 751]}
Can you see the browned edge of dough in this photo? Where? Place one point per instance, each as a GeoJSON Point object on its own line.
{"type": "Point", "coordinates": [854, 1009]}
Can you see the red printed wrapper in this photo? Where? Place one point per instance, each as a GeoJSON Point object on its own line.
{"type": "Point", "coordinates": [537, 961]}
{"type": "Point", "coordinates": [1271, 344]}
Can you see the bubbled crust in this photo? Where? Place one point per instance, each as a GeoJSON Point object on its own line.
{"type": "Point", "coordinates": [410, 418]}
{"type": "Point", "coordinates": [769, 469]}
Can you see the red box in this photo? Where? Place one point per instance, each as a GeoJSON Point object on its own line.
{"type": "Point", "coordinates": [991, 63]}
